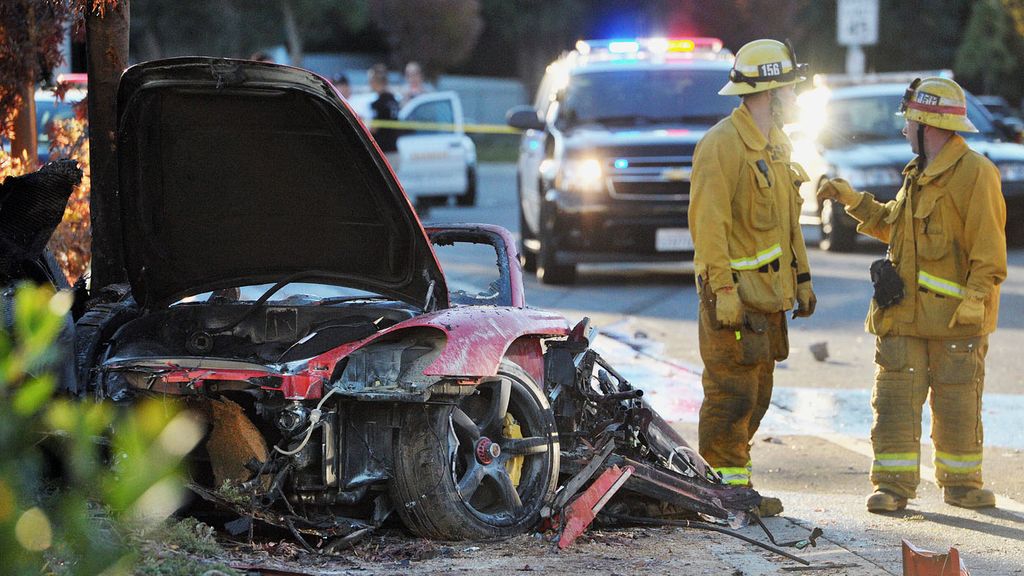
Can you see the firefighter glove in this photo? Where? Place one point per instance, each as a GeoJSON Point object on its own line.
{"type": "Point", "coordinates": [728, 308]}
{"type": "Point", "coordinates": [805, 300]}
{"type": "Point", "coordinates": [839, 190]}
{"type": "Point", "coordinates": [971, 311]}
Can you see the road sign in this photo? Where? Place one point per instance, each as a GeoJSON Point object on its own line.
{"type": "Point", "coordinates": [857, 22]}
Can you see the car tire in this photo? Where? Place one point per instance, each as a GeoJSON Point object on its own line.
{"type": "Point", "coordinates": [837, 235]}
{"type": "Point", "coordinates": [527, 258]}
{"type": "Point", "coordinates": [449, 484]}
{"type": "Point", "coordinates": [92, 335]}
{"type": "Point", "coordinates": [549, 270]}
{"type": "Point", "coordinates": [468, 198]}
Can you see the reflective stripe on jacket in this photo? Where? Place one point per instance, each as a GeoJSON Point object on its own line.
{"type": "Point", "coordinates": [946, 232]}
{"type": "Point", "coordinates": [745, 213]}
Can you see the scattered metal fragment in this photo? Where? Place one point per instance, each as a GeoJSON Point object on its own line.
{"type": "Point", "coordinates": [920, 562]}
{"type": "Point", "coordinates": [581, 513]}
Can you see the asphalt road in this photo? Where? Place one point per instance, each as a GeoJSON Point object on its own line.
{"type": "Point", "coordinates": [819, 468]}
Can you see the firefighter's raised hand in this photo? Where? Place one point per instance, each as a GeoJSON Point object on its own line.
{"type": "Point", "coordinates": [728, 308]}
{"type": "Point", "coordinates": [837, 189]}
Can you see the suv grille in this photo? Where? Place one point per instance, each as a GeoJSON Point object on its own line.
{"type": "Point", "coordinates": [650, 178]}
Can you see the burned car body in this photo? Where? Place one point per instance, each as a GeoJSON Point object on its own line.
{"type": "Point", "coordinates": [241, 181]}
{"type": "Point", "coordinates": [281, 284]}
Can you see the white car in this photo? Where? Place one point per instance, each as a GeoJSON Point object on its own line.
{"type": "Point", "coordinates": [433, 163]}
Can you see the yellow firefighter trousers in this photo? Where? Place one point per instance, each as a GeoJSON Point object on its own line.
{"type": "Point", "coordinates": [907, 369]}
{"type": "Point", "coordinates": [737, 383]}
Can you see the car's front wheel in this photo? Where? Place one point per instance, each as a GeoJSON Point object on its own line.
{"type": "Point", "coordinates": [480, 469]}
{"type": "Point", "coordinates": [468, 198]}
{"type": "Point", "coordinates": [549, 269]}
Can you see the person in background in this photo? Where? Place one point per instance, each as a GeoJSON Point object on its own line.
{"type": "Point", "coordinates": [344, 88]}
{"type": "Point", "coordinates": [414, 85]}
{"type": "Point", "coordinates": [385, 107]}
{"type": "Point", "coordinates": [260, 56]}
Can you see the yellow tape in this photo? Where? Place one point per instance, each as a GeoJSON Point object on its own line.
{"type": "Point", "coordinates": [442, 127]}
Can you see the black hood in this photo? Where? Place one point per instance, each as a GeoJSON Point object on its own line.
{"type": "Point", "coordinates": [235, 172]}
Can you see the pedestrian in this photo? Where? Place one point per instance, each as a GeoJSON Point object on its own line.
{"type": "Point", "coordinates": [414, 85]}
{"type": "Point", "coordinates": [260, 56]}
{"type": "Point", "coordinates": [344, 88]}
{"type": "Point", "coordinates": [749, 254]}
{"type": "Point", "coordinates": [385, 107]}
{"type": "Point", "coordinates": [946, 259]}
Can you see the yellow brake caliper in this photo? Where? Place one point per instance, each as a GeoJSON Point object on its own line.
{"type": "Point", "coordinates": [514, 466]}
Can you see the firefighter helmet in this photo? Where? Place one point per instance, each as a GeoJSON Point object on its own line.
{"type": "Point", "coordinates": [763, 65]}
{"type": "Point", "coordinates": [938, 102]}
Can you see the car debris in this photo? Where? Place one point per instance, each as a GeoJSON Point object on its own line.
{"type": "Point", "coordinates": [921, 562]}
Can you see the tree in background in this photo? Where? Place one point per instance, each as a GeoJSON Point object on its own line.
{"type": "Point", "coordinates": [436, 33]}
{"type": "Point", "coordinates": [984, 60]}
{"type": "Point", "coordinates": [30, 36]}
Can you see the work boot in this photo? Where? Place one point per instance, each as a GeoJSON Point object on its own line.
{"type": "Point", "coordinates": [966, 497]}
{"type": "Point", "coordinates": [885, 501]}
{"type": "Point", "coordinates": [769, 506]}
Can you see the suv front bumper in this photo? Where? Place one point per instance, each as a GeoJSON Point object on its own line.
{"type": "Point", "coordinates": [584, 229]}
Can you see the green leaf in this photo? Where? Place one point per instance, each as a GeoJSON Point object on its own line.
{"type": "Point", "coordinates": [34, 394]}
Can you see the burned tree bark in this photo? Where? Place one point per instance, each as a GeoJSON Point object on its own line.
{"type": "Point", "coordinates": [107, 42]}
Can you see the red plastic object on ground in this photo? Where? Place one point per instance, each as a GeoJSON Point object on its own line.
{"type": "Point", "coordinates": [918, 562]}
{"type": "Point", "coordinates": [580, 514]}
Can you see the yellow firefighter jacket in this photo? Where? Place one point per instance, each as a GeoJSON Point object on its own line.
{"type": "Point", "coordinates": [744, 213]}
{"type": "Point", "coordinates": [946, 235]}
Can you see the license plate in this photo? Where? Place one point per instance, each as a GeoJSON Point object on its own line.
{"type": "Point", "coordinates": [673, 240]}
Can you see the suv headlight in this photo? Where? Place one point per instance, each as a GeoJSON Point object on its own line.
{"type": "Point", "coordinates": [873, 176]}
{"type": "Point", "coordinates": [581, 174]}
{"type": "Point", "coordinates": [1011, 171]}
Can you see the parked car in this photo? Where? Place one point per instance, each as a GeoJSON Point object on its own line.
{"type": "Point", "coordinates": [605, 160]}
{"type": "Point", "coordinates": [853, 132]}
{"type": "Point", "coordinates": [436, 161]}
{"type": "Point", "coordinates": [1004, 114]}
{"type": "Point", "coordinates": [281, 283]}
{"type": "Point", "coordinates": [50, 109]}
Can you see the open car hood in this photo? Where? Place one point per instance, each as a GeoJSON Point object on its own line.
{"type": "Point", "coordinates": [235, 172]}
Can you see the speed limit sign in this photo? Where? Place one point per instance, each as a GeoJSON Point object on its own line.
{"type": "Point", "coordinates": [857, 22]}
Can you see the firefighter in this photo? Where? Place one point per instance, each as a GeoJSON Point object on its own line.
{"type": "Point", "coordinates": [749, 255]}
{"type": "Point", "coordinates": [947, 248]}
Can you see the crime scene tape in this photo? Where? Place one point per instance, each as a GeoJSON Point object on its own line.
{"type": "Point", "coordinates": [442, 127]}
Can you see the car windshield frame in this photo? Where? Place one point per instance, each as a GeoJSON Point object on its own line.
{"type": "Point", "coordinates": [642, 96]}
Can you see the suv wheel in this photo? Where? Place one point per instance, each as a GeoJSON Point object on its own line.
{"type": "Point", "coordinates": [837, 235]}
{"type": "Point", "coordinates": [527, 258]}
{"type": "Point", "coordinates": [549, 271]}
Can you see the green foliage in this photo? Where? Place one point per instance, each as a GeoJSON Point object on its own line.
{"type": "Point", "coordinates": [984, 58]}
{"type": "Point", "coordinates": [62, 505]}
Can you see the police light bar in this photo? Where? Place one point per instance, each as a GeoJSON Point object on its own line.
{"type": "Point", "coordinates": [659, 47]}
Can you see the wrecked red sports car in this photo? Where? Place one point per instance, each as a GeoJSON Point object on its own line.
{"type": "Point", "coordinates": [280, 282]}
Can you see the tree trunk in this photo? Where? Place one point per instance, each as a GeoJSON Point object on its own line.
{"type": "Point", "coordinates": [25, 143]}
{"type": "Point", "coordinates": [291, 32]}
{"type": "Point", "coordinates": [107, 44]}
